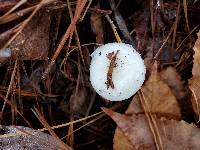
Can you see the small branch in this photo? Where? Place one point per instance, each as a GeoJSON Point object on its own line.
{"type": "Point", "coordinates": [114, 29]}
{"type": "Point", "coordinates": [112, 57]}
{"type": "Point", "coordinates": [10, 85]}
{"type": "Point", "coordinates": [164, 43]}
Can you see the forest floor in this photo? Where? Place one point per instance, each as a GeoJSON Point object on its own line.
{"type": "Point", "coordinates": [45, 48]}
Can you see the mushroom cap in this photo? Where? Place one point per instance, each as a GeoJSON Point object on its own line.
{"type": "Point", "coordinates": [5, 53]}
{"type": "Point", "coordinates": [127, 76]}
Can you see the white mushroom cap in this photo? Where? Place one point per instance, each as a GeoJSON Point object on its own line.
{"type": "Point", "coordinates": [127, 76]}
{"type": "Point", "coordinates": [5, 52]}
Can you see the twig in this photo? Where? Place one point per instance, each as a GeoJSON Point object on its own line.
{"type": "Point", "coordinates": [72, 122]}
{"type": "Point", "coordinates": [100, 11]}
{"type": "Point", "coordinates": [176, 23]}
{"type": "Point", "coordinates": [114, 29]}
{"type": "Point", "coordinates": [46, 125]}
{"type": "Point", "coordinates": [112, 57]}
{"type": "Point", "coordinates": [164, 43]}
{"type": "Point", "coordinates": [16, 110]}
{"type": "Point", "coordinates": [186, 14]}
{"type": "Point", "coordinates": [67, 34]}
{"type": "Point", "coordinates": [88, 6]}
{"type": "Point", "coordinates": [10, 85]}
{"type": "Point", "coordinates": [152, 122]}
{"type": "Point", "coordinates": [186, 37]}
{"type": "Point", "coordinates": [75, 32]}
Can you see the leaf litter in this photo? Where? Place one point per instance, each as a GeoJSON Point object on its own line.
{"type": "Point", "coordinates": [162, 92]}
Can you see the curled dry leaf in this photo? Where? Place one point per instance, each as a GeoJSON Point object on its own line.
{"type": "Point", "coordinates": [173, 134]}
{"type": "Point", "coordinates": [195, 80]}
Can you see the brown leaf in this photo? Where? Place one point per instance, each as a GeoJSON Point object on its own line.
{"type": "Point", "coordinates": [173, 134]}
{"type": "Point", "coordinates": [194, 82]}
{"type": "Point", "coordinates": [135, 106]}
{"type": "Point", "coordinates": [195, 88]}
{"type": "Point", "coordinates": [159, 97]}
{"type": "Point", "coordinates": [195, 69]}
{"type": "Point", "coordinates": [121, 142]}
{"type": "Point", "coordinates": [33, 42]}
{"type": "Point", "coordinates": [173, 80]}
{"type": "Point", "coordinates": [180, 91]}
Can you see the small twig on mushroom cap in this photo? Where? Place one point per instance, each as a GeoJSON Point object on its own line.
{"type": "Point", "coordinates": [112, 59]}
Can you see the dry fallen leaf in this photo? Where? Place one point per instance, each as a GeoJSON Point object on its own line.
{"type": "Point", "coordinates": [180, 91]}
{"type": "Point", "coordinates": [173, 80]}
{"type": "Point", "coordinates": [121, 142]}
{"type": "Point", "coordinates": [174, 135]}
{"type": "Point", "coordinates": [195, 88]}
{"type": "Point", "coordinates": [19, 137]}
{"type": "Point", "coordinates": [159, 97]}
{"type": "Point", "coordinates": [195, 69]}
{"type": "Point", "coordinates": [195, 80]}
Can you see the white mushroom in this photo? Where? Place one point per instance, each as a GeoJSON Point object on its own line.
{"type": "Point", "coordinates": [5, 53]}
{"type": "Point", "coordinates": [117, 71]}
